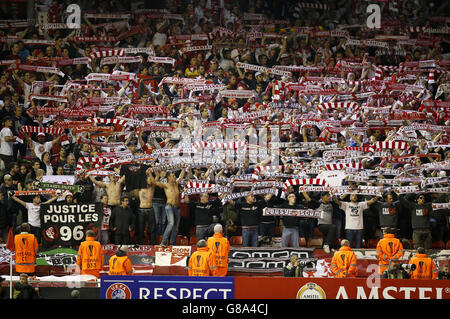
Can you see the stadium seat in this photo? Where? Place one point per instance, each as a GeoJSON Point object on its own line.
{"type": "Point", "coordinates": [182, 241]}
{"type": "Point", "coordinates": [236, 240]}
{"type": "Point", "coordinates": [277, 231]}
{"type": "Point", "coordinates": [438, 245]}
{"type": "Point", "coordinates": [315, 242]}
{"type": "Point", "coordinates": [372, 243]}
{"type": "Point", "coordinates": [317, 233]}
{"type": "Point", "coordinates": [448, 244]}
{"type": "Point", "coordinates": [192, 240]}
{"type": "Point", "coordinates": [302, 241]}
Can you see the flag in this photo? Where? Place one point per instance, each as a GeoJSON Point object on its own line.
{"type": "Point", "coordinates": [10, 243]}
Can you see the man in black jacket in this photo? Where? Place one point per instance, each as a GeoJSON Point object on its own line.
{"type": "Point", "coordinates": [23, 290]}
{"type": "Point", "coordinates": [122, 221]}
{"type": "Point", "coordinates": [420, 219]}
{"type": "Point", "coordinates": [250, 212]}
{"type": "Point", "coordinates": [268, 224]}
{"type": "Point", "coordinates": [206, 215]}
{"type": "Point", "coordinates": [290, 223]}
{"type": "Point", "coordinates": [388, 211]}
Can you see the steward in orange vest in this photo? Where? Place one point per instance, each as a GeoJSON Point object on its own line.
{"type": "Point", "coordinates": [202, 262]}
{"type": "Point", "coordinates": [220, 246]}
{"type": "Point", "coordinates": [343, 264]}
{"type": "Point", "coordinates": [389, 248]}
{"type": "Point", "coordinates": [90, 256]}
{"type": "Point", "coordinates": [425, 266]}
{"type": "Point", "coordinates": [26, 248]}
{"type": "Point", "coordinates": [120, 263]}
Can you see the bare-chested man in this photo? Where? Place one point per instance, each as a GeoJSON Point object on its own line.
{"type": "Point", "coordinates": [113, 188]}
{"type": "Point", "coordinates": [146, 212]}
{"type": "Point", "coordinates": [172, 191]}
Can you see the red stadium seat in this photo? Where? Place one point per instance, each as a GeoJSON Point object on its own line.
{"type": "Point", "coordinates": [317, 233]}
{"type": "Point", "coordinates": [315, 242]}
{"type": "Point", "coordinates": [438, 245]}
{"type": "Point", "coordinates": [182, 241]}
{"type": "Point", "coordinates": [277, 231]}
{"type": "Point", "coordinates": [302, 241]}
{"type": "Point", "coordinates": [448, 244]}
{"type": "Point", "coordinates": [372, 243]}
{"type": "Point", "coordinates": [236, 240]}
{"type": "Point", "coordinates": [192, 240]}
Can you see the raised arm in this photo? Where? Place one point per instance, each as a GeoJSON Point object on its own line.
{"type": "Point", "coordinates": [51, 200]}
{"type": "Point", "coordinates": [180, 178]}
{"type": "Point", "coordinates": [96, 182]}
{"type": "Point", "coordinates": [155, 182]}
{"type": "Point", "coordinates": [372, 201]}
{"type": "Point", "coordinates": [21, 202]}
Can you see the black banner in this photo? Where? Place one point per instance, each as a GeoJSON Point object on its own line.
{"type": "Point", "coordinates": [268, 259]}
{"type": "Point", "coordinates": [66, 224]}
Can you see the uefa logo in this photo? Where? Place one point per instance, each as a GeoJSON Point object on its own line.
{"type": "Point", "coordinates": [118, 291]}
{"type": "Point", "coordinates": [311, 291]}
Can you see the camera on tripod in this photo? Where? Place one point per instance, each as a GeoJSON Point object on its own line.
{"type": "Point", "coordinates": [411, 267]}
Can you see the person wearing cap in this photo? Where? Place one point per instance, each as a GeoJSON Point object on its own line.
{"type": "Point", "coordinates": [233, 112]}
{"type": "Point", "coordinates": [7, 140]}
{"type": "Point", "coordinates": [68, 199]}
{"type": "Point", "coordinates": [120, 264]}
{"type": "Point", "coordinates": [220, 246]}
{"type": "Point", "coordinates": [41, 145]}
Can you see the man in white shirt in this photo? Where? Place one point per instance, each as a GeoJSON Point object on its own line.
{"type": "Point", "coordinates": [41, 146]}
{"type": "Point", "coordinates": [33, 213]}
{"type": "Point", "coordinates": [7, 140]}
{"type": "Point", "coordinates": [354, 226]}
{"type": "Point", "coordinates": [159, 38]}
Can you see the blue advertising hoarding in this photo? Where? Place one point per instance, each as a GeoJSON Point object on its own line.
{"type": "Point", "coordinates": [166, 287]}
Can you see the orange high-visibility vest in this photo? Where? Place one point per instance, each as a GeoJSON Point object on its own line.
{"type": "Point", "coordinates": [220, 246]}
{"type": "Point", "coordinates": [389, 248]}
{"type": "Point", "coordinates": [90, 257]}
{"type": "Point", "coordinates": [202, 263]}
{"type": "Point", "coordinates": [343, 263]}
{"type": "Point", "coordinates": [26, 247]}
{"type": "Point", "coordinates": [120, 266]}
{"type": "Point", "coordinates": [425, 267]}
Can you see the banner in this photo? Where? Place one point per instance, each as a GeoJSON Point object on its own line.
{"type": "Point", "coordinates": [66, 224]}
{"type": "Point", "coordinates": [268, 259]}
{"type": "Point", "coordinates": [309, 213]}
{"type": "Point", "coordinates": [166, 287]}
{"type": "Point", "coordinates": [172, 255]}
{"type": "Point", "coordinates": [325, 288]}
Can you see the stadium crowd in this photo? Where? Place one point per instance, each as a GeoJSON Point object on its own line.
{"type": "Point", "coordinates": [201, 112]}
